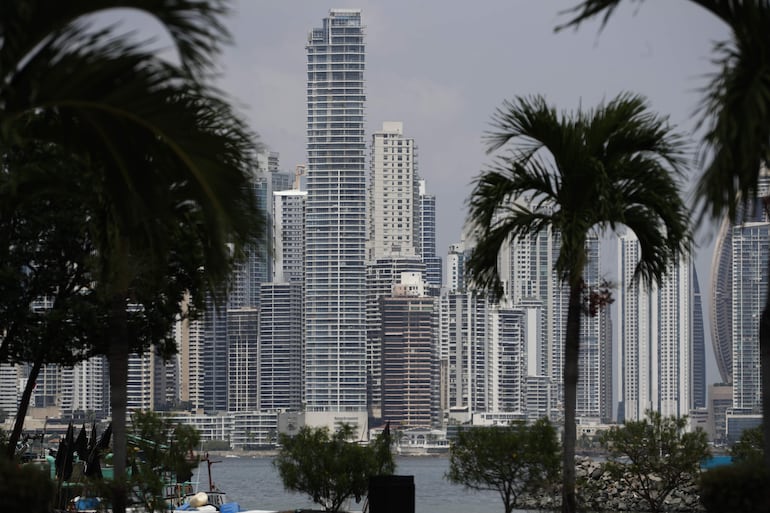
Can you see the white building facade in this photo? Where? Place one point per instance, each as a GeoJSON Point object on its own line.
{"type": "Point", "coordinates": [335, 346]}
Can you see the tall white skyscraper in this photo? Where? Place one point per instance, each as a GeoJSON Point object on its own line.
{"type": "Point", "coordinates": [654, 327]}
{"type": "Point", "coordinates": [288, 236]}
{"type": "Point", "coordinates": [508, 359]}
{"type": "Point", "coordinates": [90, 390]}
{"type": "Point", "coordinates": [463, 350]}
{"type": "Point", "coordinates": [393, 195]}
{"type": "Point", "coordinates": [750, 253]}
{"type": "Point", "coordinates": [335, 356]}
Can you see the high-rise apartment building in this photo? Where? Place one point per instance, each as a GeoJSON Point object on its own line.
{"type": "Point", "coordinates": [455, 267]}
{"type": "Point", "coordinates": [335, 346]}
{"type": "Point", "coordinates": [750, 254]}
{"type": "Point", "coordinates": [288, 236]}
{"type": "Point", "coordinates": [280, 346]}
{"type": "Point", "coordinates": [427, 238]}
{"type": "Point", "coordinates": [242, 359]}
{"type": "Point", "coordinates": [409, 355]}
{"type": "Point", "coordinates": [281, 316]}
{"type": "Point", "coordinates": [189, 336]}
{"type": "Point", "coordinates": [381, 276]}
{"type": "Point", "coordinates": [9, 389]}
{"type": "Point", "coordinates": [655, 327]}
{"type": "Point", "coordinates": [393, 194]}
{"type": "Point", "coordinates": [607, 404]}
{"type": "Point", "coordinates": [508, 359]}
{"type": "Point", "coordinates": [721, 301]}
{"type": "Point", "coordinates": [463, 350]}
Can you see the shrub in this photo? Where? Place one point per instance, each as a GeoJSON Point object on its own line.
{"type": "Point", "coordinates": [735, 488]}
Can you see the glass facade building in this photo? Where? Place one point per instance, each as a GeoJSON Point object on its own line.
{"type": "Point", "coordinates": [335, 357]}
{"type": "Point", "coordinates": [750, 253]}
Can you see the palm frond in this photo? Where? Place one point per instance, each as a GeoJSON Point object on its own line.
{"type": "Point", "coordinates": [589, 9]}
{"type": "Point", "coordinates": [734, 110]}
{"type": "Point", "coordinates": [617, 164]}
{"type": "Point", "coordinates": [143, 124]}
{"type": "Point", "coordinates": [195, 26]}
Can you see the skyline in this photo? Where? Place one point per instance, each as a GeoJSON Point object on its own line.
{"type": "Point", "coordinates": [443, 72]}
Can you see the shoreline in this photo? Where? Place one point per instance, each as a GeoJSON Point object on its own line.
{"type": "Point", "coordinates": [272, 453]}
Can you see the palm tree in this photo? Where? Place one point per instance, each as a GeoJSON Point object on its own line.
{"type": "Point", "coordinates": [162, 152]}
{"type": "Point", "coordinates": [734, 111]}
{"type": "Point", "coordinates": [574, 174]}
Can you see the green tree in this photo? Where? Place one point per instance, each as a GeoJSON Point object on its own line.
{"type": "Point", "coordinates": [741, 485]}
{"type": "Point", "coordinates": [162, 153]}
{"type": "Point", "coordinates": [572, 174]}
{"type": "Point", "coordinates": [44, 279]}
{"type": "Point", "coordinates": [164, 455]}
{"type": "Point", "coordinates": [750, 447]}
{"type": "Point", "coordinates": [515, 460]}
{"type": "Point", "coordinates": [734, 111]}
{"type": "Point", "coordinates": [330, 468]}
{"type": "Point", "coordinates": [25, 488]}
{"type": "Point", "coordinates": [655, 456]}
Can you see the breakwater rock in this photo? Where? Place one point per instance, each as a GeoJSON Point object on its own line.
{"type": "Point", "coordinates": [597, 491]}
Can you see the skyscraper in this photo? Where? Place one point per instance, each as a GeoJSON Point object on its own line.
{"type": "Point", "coordinates": [720, 304]}
{"type": "Point", "coordinates": [654, 326]}
{"type": "Point", "coordinates": [698, 346]}
{"type": "Point", "coordinates": [750, 253]}
{"type": "Point", "coordinates": [427, 238]}
{"type": "Point", "coordinates": [409, 360]}
{"type": "Point", "coordinates": [280, 346]}
{"type": "Point", "coordinates": [393, 197]}
{"type": "Point", "coordinates": [281, 316]}
{"type": "Point", "coordinates": [335, 356]}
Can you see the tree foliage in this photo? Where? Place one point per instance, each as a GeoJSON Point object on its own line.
{"type": "Point", "coordinates": [514, 460]}
{"type": "Point", "coordinates": [655, 456]}
{"type": "Point", "coordinates": [165, 159]}
{"type": "Point", "coordinates": [330, 468]}
{"type": "Point", "coordinates": [162, 454]}
{"type": "Point", "coordinates": [25, 488]}
{"type": "Point", "coordinates": [750, 447]}
{"type": "Point", "coordinates": [571, 175]}
{"type": "Point", "coordinates": [735, 488]}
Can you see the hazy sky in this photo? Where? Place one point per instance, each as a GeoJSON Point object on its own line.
{"type": "Point", "coordinates": [443, 67]}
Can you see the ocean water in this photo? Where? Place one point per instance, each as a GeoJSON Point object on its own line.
{"type": "Point", "coordinates": [254, 483]}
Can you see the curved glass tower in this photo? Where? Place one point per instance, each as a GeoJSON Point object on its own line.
{"type": "Point", "coordinates": [721, 304]}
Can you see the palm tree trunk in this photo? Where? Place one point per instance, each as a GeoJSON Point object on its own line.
{"type": "Point", "coordinates": [118, 363]}
{"type": "Point", "coordinates": [26, 398]}
{"type": "Point", "coordinates": [571, 351]}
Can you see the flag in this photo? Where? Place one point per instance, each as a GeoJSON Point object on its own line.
{"type": "Point", "coordinates": [104, 441]}
{"type": "Point", "coordinates": [64, 454]}
{"type": "Point", "coordinates": [93, 465]}
{"type": "Point", "coordinates": [81, 444]}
